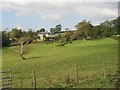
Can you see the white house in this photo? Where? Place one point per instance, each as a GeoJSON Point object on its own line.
{"type": "Point", "coordinates": [47, 34]}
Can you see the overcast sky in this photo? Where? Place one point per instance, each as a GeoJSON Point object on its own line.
{"type": "Point", "coordinates": [28, 14]}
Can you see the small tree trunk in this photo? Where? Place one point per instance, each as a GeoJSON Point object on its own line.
{"type": "Point", "coordinates": [84, 39]}
{"type": "Point", "coordinates": [21, 52]}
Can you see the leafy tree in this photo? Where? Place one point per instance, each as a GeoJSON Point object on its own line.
{"type": "Point", "coordinates": [96, 31]}
{"type": "Point", "coordinates": [31, 35]}
{"type": "Point", "coordinates": [58, 28]}
{"type": "Point", "coordinates": [5, 39]}
{"type": "Point", "coordinates": [15, 33]}
{"type": "Point", "coordinates": [67, 29]}
{"type": "Point", "coordinates": [30, 32]}
{"type": "Point", "coordinates": [74, 36]}
{"type": "Point", "coordinates": [116, 26]}
{"type": "Point", "coordinates": [41, 30]}
{"type": "Point", "coordinates": [84, 29]}
{"type": "Point", "coordinates": [106, 28]}
{"type": "Point", "coordinates": [68, 35]}
{"type": "Point", "coordinates": [52, 30]}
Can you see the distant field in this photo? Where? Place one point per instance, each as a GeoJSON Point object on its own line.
{"type": "Point", "coordinates": [57, 62]}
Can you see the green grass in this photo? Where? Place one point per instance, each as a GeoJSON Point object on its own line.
{"type": "Point", "coordinates": [47, 59]}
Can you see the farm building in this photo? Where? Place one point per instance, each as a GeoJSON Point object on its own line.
{"type": "Point", "coordinates": [47, 34]}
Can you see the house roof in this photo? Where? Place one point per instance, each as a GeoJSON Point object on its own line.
{"type": "Point", "coordinates": [44, 33]}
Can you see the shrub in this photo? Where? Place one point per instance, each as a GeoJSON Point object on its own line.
{"type": "Point", "coordinates": [116, 37]}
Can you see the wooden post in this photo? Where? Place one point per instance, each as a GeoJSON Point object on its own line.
{"type": "Point", "coordinates": [49, 79]}
{"type": "Point", "coordinates": [34, 80]}
{"type": "Point", "coordinates": [76, 73]}
{"type": "Point", "coordinates": [9, 80]}
{"type": "Point", "coordinates": [67, 79]}
{"type": "Point", "coordinates": [104, 70]}
{"type": "Point", "coordinates": [21, 51]}
{"type": "Point", "coordinates": [21, 83]}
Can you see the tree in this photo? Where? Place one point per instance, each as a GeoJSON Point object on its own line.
{"type": "Point", "coordinates": [106, 28]}
{"type": "Point", "coordinates": [15, 33]}
{"type": "Point", "coordinates": [31, 35]}
{"type": "Point", "coordinates": [96, 31]}
{"type": "Point", "coordinates": [67, 29]}
{"type": "Point", "coordinates": [84, 29]}
{"type": "Point", "coordinates": [41, 30]}
{"type": "Point", "coordinates": [52, 30]}
{"type": "Point", "coordinates": [68, 35]}
{"type": "Point", "coordinates": [74, 36]}
{"type": "Point", "coordinates": [21, 49]}
{"type": "Point", "coordinates": [58, 28]}
{"type": "Point", "coordinates": [116, 26]}
{"type": "Point", "coordinates": [25, 38]}
{"type": "Point", "coordinates": [5, 39]}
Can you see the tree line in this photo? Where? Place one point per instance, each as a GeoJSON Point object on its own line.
{"type": "Point", "coordinates": [84, 30]}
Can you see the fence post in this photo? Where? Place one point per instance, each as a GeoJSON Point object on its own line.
{"type": "Point", "coordinates": [76, 73]}
{"type": "Point", "coordinates": [104, 70]}
{"type": "Point", "coordinates": [21, 83]}
{"type": "Point", "coordinates": [34, 80]}
{"type": "Point", "coordinates": [49, 79]}
{"type": "Point", "coordinates": [11, 78]}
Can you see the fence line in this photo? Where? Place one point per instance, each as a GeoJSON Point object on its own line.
{"type": "Point", "coordinates": [8, 83]}
{"type": "Point", "coordinates": [68, 79]}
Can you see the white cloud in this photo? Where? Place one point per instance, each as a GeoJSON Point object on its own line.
{"type": "Point", "coordinates": [96, 11]}
{"type": "Point", "coordinates": [109, 12]}
{"type": "Point", "coordinates": [54, 16]}
{"type": "Point", "coordinates": [50, 11]}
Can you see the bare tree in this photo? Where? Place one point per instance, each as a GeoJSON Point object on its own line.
{"type": "Point", "coordinates": [22, 51]}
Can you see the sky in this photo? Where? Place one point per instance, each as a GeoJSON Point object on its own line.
{"type": "Point", "coordinates": [47, 14]}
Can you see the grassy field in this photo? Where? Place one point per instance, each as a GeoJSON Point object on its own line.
{"type": "Point", "coordinates": [58, 62]}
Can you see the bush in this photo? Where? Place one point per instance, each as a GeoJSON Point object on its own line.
{"type": "Point", "coordinates": [116, 37]}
